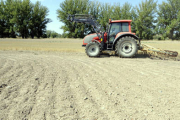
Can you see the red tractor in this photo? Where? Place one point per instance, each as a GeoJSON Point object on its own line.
{"type": "Point", "coordinates": [118, 38]}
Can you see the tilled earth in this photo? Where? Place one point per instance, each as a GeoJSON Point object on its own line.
{"type": "Point", "coordinates": [72, 86]}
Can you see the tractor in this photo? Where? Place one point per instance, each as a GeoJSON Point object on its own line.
{"type": "Point", "coordinates": [118, 37]}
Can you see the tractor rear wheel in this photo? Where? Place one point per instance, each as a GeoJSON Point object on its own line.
{"type": "Point", "coordinates": [93, 49]}
{"type": "Point", "coordinates": [126, 47]}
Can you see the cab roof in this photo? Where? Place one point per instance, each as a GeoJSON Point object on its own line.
{"type": "Point", "coordinates": [117, 21]}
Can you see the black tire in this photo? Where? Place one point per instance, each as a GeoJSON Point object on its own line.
{"type": "Point", "coordinates": [93, 49]}
{"type": "Point", "coordinates": [126, 47]}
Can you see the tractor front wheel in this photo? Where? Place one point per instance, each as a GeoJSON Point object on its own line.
{"type": "Point", "coordinates": [93, 49]}
{"type": "Point", "coordinates": [126, 47]}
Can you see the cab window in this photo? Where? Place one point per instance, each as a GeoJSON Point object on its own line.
{"type": "Point", "coordinates": [115, 28]}
{"type": "Point", "coordinates": [119, 27]}
{"type": "Point", "coordinates": [125, 27]}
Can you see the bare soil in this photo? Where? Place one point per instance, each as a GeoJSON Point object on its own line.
{"type": "Point", "coordinates": [46, 85]}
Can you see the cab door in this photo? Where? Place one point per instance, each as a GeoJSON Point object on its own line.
{"type": "Point", "coordinates": [115, 28]}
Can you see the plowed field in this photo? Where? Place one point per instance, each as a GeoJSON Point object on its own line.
{"type": "Point", "coordinates": [39, 84]}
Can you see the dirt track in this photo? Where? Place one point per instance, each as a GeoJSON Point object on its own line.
{"type": "Point", "coordinates": [72, 86]}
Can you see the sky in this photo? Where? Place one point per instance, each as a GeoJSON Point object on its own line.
{"type": "Point", "coordinates": [53, 5]}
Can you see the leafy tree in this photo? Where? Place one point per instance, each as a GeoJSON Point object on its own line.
{"type": "Point", "coordinates": [38, 20]}
{"type": "Point", "coordinates": [106, 11]}
{"type": "Point", "coordinates": [74, 30]}
{"type": "Point", "coordinates": [101, 12]}
{"type": "Point", "coordinates": [52, 34]}
{"type": "Point", "coordinates": [7, 27]}
{"type": "Point", "coordinates": [9, 8]}
{"type": "Point", "coordinates": [144, 25]}
{"type": "Point", "coordinates": [169, 19]}
{"type": "Point", "coordinates": [94, 10]}
{"type": "Point", "coordinates": [117, 10]}
{"type": "Point", "coordinates": [2, 21]}
{"type": "Point", "coordinates": [124, 12]}
{"type": "Point", "coordinates": [23, 18]}
{"type": "Point", "coordinates": [48, 33]}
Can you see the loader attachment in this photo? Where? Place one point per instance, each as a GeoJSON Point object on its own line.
{"type": "Point", "coordinates": [158, 53]}
{"type": "Point", "coordinates": [87, 19]}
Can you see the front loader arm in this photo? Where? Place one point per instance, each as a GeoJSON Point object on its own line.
{"type": "Point", "coordinates": [87, 19]}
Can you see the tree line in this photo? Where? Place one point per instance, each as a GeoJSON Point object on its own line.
{"type": "Point", "coordinates": [149, 19]}
{"type": "Point", "coordinates": [23, 18]}
{"type": "Point", "coordinates": [53, 34]}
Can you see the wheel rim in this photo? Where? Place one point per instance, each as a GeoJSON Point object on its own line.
{"type": "Point", "coordinates": [93, 50]}
{"type": "Point", "coordinates": [127, 48]}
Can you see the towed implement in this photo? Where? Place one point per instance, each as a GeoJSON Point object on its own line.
{"type": "Point", "coordinates": [118, 37]}
{"type": "Point", "coordinates": [158, 53]}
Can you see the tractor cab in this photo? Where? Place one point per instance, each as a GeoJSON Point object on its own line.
{"type": "Point", "coordinates": [116, 28]}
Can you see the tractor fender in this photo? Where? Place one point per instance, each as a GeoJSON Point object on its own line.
{"type": "Point", "coordinates": [96, 41]}
{"type": "Point", "coordinates": [123, 35]}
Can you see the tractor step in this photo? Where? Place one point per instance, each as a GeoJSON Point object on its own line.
{"type": "Point", "coordinates": [109, 46]}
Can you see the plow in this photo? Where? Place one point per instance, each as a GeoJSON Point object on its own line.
{"type": "Point", "coordinates": [158, 53]}
{"type": "Point", "coordinates": [117, 38]}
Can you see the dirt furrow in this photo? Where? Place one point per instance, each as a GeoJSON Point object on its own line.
{"type": "Point", "coordinates": [51, 86]}
{"type": "Point", "coordinates": [99, 92]}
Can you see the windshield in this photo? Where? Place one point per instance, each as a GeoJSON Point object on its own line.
{"type": "Point", "coordinates": [115, 28]}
